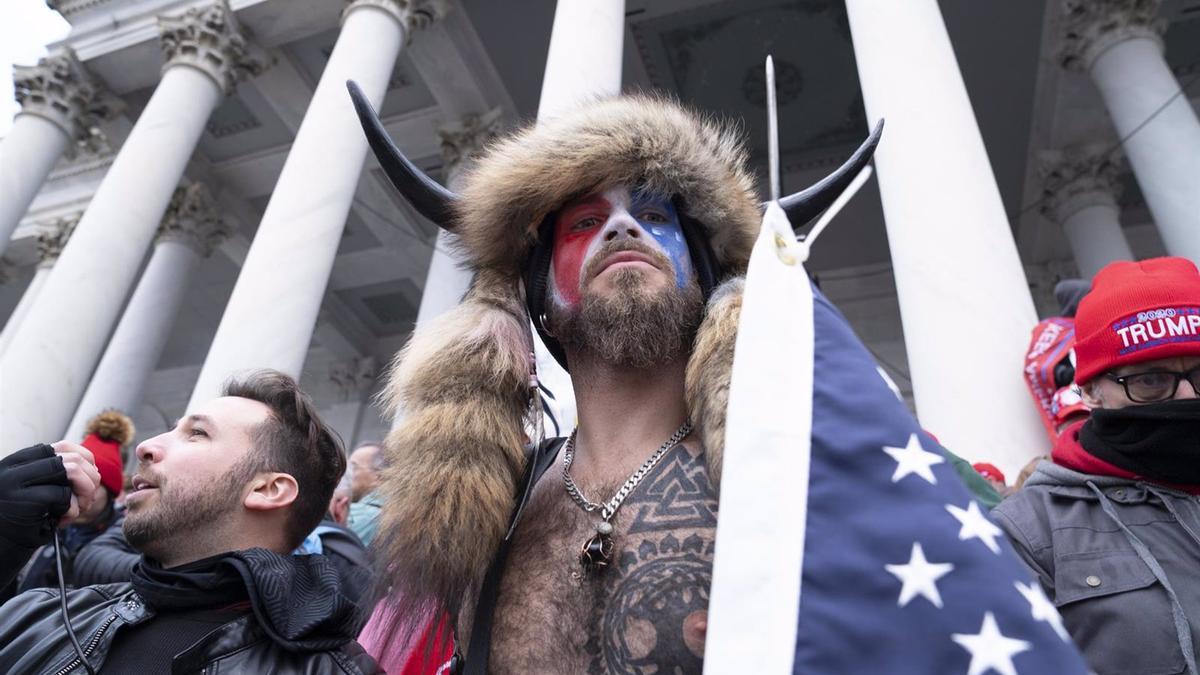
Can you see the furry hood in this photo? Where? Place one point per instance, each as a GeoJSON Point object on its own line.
{"type": "Point", "coordinates": [631, 140]}
{"type": "Point", "coordinates": [463, 385]}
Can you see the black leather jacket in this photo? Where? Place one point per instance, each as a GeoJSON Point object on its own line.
{"type": "Point", "coordinates": [33, 640]}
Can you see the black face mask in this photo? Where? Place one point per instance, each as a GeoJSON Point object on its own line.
{"type": "Point", "coordinates": [1158, 441]}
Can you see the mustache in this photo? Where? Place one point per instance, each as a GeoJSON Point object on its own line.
{"type": "Point", "coordinates": [618, 246]}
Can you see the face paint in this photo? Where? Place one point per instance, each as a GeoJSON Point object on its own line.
{"type": "Point", "coordinates": [579, 228]}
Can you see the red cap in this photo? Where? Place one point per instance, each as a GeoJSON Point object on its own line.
{"type": "Point", "coordinates": [106, 433]}
{"type": "Point", "coordinates": [1137, 311]}
{"type": "Point", "coordinates": [108, 461]}
{"type": "Point", "coordinates": [989, 471]}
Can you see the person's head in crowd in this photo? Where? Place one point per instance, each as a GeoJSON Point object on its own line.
{"type": "Point", "coordinates": [366, 462]}
{"type": "Point", "coordinates": [993, 475]}
{"type": "Point", "coordinates": [339, 504]}
{"type": "Point", "coordinates": [255, 467]}
{"type": "Point", "coordinates": [106, 435]}
{"type": "Point", "coordinates": [1138, 334]}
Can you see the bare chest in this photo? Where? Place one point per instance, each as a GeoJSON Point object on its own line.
{"type": "Point", "coordinates": [646, 613]}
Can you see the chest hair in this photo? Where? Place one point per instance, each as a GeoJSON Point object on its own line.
{"type": "Point", "coordinates": [646, 613]}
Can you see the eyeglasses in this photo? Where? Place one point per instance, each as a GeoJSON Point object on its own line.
{"type": "Point", "coordinates": [1156, 386]}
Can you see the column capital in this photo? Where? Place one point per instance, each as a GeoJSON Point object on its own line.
{"type": "Point", "coordinates": [194, 220]}
{"type": "Point", "coordinates": [53, 239]}
{"type": "Point", "coordinates": [412, 14]}
{"type": "Point", "coordinates": [1090, 27]}
{"type": "Point", "coordinates": [208, 38]}
{"type": "Point", "coordinates": [60, 90]}
{"type": "Point", "coordinates": [466, 138]}
{"type": "Point", "coordinates": [353, 377]}
{"type": "Point", "coordinates": [1076, 177]}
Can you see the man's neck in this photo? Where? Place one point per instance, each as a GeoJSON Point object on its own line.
{"type": "Point", "coordinates": [625, 414]}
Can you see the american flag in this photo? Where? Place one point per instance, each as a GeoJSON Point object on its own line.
{"type": "Point", "coordinates": [846, 542]}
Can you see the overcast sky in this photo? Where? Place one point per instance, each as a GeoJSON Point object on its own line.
{"type": "Point", "coordinates": [26, 27]}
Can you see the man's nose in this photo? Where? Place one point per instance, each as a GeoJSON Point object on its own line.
{"type": "Point", "coordinates": [621, 225]}
{"type": "Point", "coordinates": [150, 450]}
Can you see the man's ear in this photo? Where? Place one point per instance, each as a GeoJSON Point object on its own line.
{"type": "Point", "coordinates": [269, 491]}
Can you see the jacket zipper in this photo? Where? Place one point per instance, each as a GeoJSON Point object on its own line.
{"type": "Point", "coordinates": [90, 646]}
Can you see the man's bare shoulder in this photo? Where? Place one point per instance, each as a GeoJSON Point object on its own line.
{"type": "Point", "coordinates": [646, 613]}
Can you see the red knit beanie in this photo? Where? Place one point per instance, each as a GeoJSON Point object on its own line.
{"type": "Point", "coordinates": [989, 471]}
{"type": "Point", "coordinates": [1137, 311]}
{"type": "Point", "coordinates": [106, 434]}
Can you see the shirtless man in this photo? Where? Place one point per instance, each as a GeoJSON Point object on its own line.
{"type": "Point", "coordinates": [618, 231]}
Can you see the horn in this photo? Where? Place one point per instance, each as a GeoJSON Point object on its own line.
{"type": "Point", "coordinates": [426, 195]}
{"type": "Point", "coordinates": [807, 204]}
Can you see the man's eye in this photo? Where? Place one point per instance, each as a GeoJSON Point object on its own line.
{"type": "Point", "coordinates": [197, 432]}
{"type": "Point", "coordinates": [656, 217]}
{"type": "Point", "coordinates": [586, 223]}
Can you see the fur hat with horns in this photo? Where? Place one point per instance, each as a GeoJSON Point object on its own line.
{"type": "Point", "coordinates": [463, 381]}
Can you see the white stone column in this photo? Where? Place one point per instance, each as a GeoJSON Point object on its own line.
{"type": "Point", "coordinates": [964, 303]}
{"type": "Point", "coordinates": [50, 359]}
{"type": "Point", "coordinates": [1080, 194]}
{"type": "Point", "coordinates": [188, 235]}
{"type": "Point", "coordinates": [447, 280]}
{"type": "Point", "coordinates": [60, 104]}
{"type": "Point", "coordinates": [1119, 44]}
{"type": "Point", "coordinates": [287, 268]}
{"type": "Point", "coordinates": [50, 244]}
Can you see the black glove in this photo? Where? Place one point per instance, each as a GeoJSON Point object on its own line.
{"type": "Point", "coordinates": [34, 494]}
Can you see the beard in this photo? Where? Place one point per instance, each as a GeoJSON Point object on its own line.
{"type": "Point", "coordinates": [634, 326]}
{"type": "Point", "coordinates": [185, 509]}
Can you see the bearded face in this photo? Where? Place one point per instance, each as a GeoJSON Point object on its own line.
{"type": "Point", "coordinates": [623, 287]}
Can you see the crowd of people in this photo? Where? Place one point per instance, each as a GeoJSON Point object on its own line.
{"type": "Point", "coordinates": [249, 541]}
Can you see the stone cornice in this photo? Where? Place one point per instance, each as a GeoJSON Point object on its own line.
{"type": "Point", "coordinates": [60, 90]}
{"type": "Point", "coordinates": [1077, 177]}
{"type": "Point", "coordinates": [194, 220]}
{"type": "Point", "coordinates": [208, 38]}
{"type": "Point", "coordinates": [412, 14]}
{"type": "Point", "coordinates": [1090, 27]}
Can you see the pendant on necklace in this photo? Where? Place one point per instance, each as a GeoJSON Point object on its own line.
{"type": "Point", "coordinates": [596, 553]}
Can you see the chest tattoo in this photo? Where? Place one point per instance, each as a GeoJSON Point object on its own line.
{"type": "Point", "coordinates": [647, 613]}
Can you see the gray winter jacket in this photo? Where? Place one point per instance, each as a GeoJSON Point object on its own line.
{"type": "Point", "coordinates": [1121, 561]}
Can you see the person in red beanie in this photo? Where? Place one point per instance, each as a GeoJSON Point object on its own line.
{"type": "Point", "coordinates": [106, 435]}
{"type": "Point", "coordinates": [1111, 526]}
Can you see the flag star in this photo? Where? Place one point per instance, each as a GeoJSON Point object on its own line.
{"type": "Point", "coordinates": [912, 458]}
{"type": "Point", "coordinates": [1043, 609]}
{"type": "Point", "coordinates": [919, 577]}
{"type": "Point", "coordinates": [975, 525]}
{"type": "Point", "coordinates": [990, 650]}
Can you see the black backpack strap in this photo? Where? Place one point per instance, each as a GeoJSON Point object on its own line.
{"type": "Point", "coordinates": [480, 648]}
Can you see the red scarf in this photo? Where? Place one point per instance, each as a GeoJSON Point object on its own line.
{"type": "Point", "coordinates": [1068, 452]}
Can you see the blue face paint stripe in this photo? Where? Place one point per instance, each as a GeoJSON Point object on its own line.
{"type": "Point", "coordinates": [669, 235]}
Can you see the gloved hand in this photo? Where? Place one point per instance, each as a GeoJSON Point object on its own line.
{"type": "Point", "coordinates": [34, 493]}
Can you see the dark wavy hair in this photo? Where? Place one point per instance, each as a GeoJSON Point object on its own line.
{"type": "Point", "coordinates": [293, 441]}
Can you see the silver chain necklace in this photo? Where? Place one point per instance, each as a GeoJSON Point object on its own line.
{"type": "Point", "coordinates": [596, 553]}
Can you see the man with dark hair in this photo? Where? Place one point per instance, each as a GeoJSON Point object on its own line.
{"type": "Point", "coordinates": [218, 505]}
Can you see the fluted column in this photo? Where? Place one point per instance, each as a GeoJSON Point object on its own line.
{"type": "Point", "coordinates": [962, 290]}
{"type": "Point", "coordinates": [1080, 194]}
{"type": "Point", "coordinates": [50, 244]}
{"type": "Point", "coordinates": [191, 230]}
{"type": "Point", "coordinates": [1119, 44]}
{"type": "Point", "coordinates": [287, 268]}
{"type": "Point", "coordinates": [447, 279]}
{"type": "Point", "coordinates": [49, 361]}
